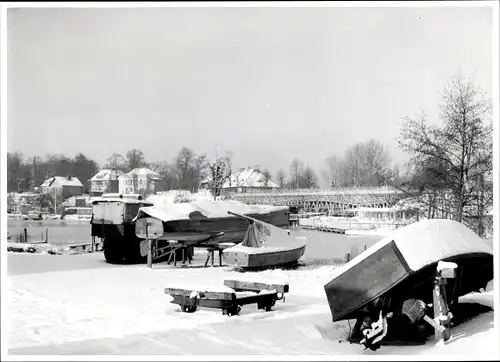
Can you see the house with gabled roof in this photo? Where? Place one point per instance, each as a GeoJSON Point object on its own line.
{"type": "Point", "coordinates": [105, 181]}
{"type": "Point", "coordinates": [62, 186]}
{"type": "Point", "coordinates": [138, 181]}
{"type": "Point", "coordinates": [245, 180]}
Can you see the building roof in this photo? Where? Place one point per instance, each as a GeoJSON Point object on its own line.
{"type": "Point", "coordinates": [63, 181]}
{"type": "Point", "coordinates": [248, 177]}
{"type": "Point", "coordinates": [106, 175]}
{"type": "Point", "coordinates": [143, 172]}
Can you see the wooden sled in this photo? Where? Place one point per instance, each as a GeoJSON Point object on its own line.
{"type": "Point", "coordinates": [243, 292]}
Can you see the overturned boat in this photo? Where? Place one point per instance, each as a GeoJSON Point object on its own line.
{"type": "Point", "coordinates": [403, 265]}
{"type": "Point", "coordinates": [200, 220]}
{"type": "Point", "coordinates": [263, 246]}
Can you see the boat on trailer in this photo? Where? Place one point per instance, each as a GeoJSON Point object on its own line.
{"type": "Point", "coordinates": [264, 246]}
{"type": "Point", "coordinates": [405, 262]}
{"type": "Point", "coordinates": [402, 267]}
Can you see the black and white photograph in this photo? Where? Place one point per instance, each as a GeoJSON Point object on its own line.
{"type": "Point", "coordinates": [249, 180]}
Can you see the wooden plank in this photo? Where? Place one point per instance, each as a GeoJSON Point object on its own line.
{"type": "Point", "coordinates": [255, 286]}
{"type": "Point", "coordinates": [203, 294]}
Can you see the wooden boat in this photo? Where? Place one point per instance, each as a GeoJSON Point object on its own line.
{"type": "Point", "coordinates": [403, 266]}
{"type": "Point", "coordinates": [199, 220]}
{"type": "Point", "coordinates": [265, 245]}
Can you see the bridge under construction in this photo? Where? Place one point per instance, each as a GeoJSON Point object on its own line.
{"type": "Point", "coordinates": [331, 201]}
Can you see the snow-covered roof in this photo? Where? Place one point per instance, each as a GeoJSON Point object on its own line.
{"type": "Point", "coordinates": [105, 175]}
{"type": "Point", "coordinates": [207, 208]}
{"type": "Point", "coordinates": [427, 241]}
{"type": "Point", "coordinates": [63, 181]}
{"type": "Point", "coordinates": [143, 172]}
{"type": "Point", "coordinates": [248, 177]}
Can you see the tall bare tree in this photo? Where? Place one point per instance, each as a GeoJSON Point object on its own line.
{"type": "Point", "coordinates": [295, 172]}
{"type": "Point", "coordinates": [309, 179]}
{"type": "Point", "coordinates": [333, 174]}
{"type": "Point", "coordinates": [366, 164]}
{"type": "Point", "coordinates": [228, 162]}
{"type": "Point", "coordinates": [116, 162]}
{"type": "Point", "coordinates": [184, 164]}
{"type": "Point", "coordinates": [281, 177]}
{"type": "Point", "coordinates": [459, 151]}
{"type": "Point", "coordinates": [200, 166]}
{"type": "Point", "coordinates": [135, 159]}
{"type": "Point", "coordinates": [14, 164]}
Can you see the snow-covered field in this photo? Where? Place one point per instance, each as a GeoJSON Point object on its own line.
{"type": "Point", "coordinates": [123, 310]}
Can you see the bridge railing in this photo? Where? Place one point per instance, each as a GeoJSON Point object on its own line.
{"type": "Point", "coordinates": [317, 192]}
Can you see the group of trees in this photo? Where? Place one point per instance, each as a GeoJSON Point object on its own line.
{"type": "Point", "coordinates": [450, 161]}
{"type": "Point", "coordinates": [363, 164]}
{"type": "Point", "coordinates": [26, 173]}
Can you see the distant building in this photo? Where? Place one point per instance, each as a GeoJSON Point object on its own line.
{"type": "Point", "coordinates": [105, 181]}
{"type": "Point", "coordinates": [138, 181]}
{"type": "Point", "coordinates": [62, 186]}
{"type": "Point", "coordinates": [244, 181]}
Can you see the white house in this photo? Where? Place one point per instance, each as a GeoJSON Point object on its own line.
{"type": "Point", "coordinates": [246, 180]}
{"type": "Point", "coordinates": [64, 186]}
{"type": "Point", "coordinates": [105, 181]}
{"type": "Point", "coordinates": [138, 181]}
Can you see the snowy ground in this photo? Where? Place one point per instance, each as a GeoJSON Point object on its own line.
{"type": "Point", "coordinates": [123, 310]}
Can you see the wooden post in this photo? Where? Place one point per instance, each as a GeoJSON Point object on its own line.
{"type": "Point", "coordinates": [150, 247]}
{"type": "Point", "coordinates": [208, 257]}
{"type": "Point", "coordinates": [25, 235]}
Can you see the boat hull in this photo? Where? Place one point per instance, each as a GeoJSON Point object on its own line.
{"type": "Point", "coordinates": [386, 273]}
{"type": "Point", "coordinates": [262, 258]}
{"type": "Point", "coordinates": [234, 228]}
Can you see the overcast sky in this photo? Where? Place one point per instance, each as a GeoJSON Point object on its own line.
{"type": "Point", "coordinates": [269, 84]}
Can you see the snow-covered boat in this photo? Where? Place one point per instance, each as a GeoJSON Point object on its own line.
{"type": "Point", "coordinates": [265, 245]}
{"type": "Point", "coordinates": [403, 266]}
{"type": "Point", "coordinates": [199, 220]}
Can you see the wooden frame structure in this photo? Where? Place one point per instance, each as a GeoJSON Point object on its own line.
{"type": "Point", "coordinates": [230, 302]}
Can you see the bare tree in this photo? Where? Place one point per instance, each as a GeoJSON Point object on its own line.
{"type": "Point", "coordinates": [116, 163]}
{"type": "Point", "coordinates": [333, 174]}
{"type": "Point", "coordinates": [228, 163]}
{"type": "Point", "coordinates": [184, 164]}
{"type": "Point", "coordinates": [459, 152]}
{"type": "Point", "coordinates": [200, 166]}
{"type": "Point", "coordinates": [309, 179]}
{"type": "Point", "coordinates": [366, 164]}
{"type": "Point", "coordinates": [135, 159]}
{"type": "Point", "coordinates": [295, 172]}
{"type": "Point", "coordinates": [14, 164]}
{"type": "Point", "coordinates": [267, 176]}
{"type": "Point", "coordinates": [281, 177]}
